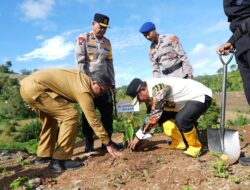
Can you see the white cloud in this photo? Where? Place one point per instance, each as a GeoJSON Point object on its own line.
{"type": "Point", "coordinates": [56, 48]}
{"type": "Point", "coordinates": [40, 37]}
{"type": "Point", "coordinates": [219, 26]}
{"type": "Point", "coordinates": [36, 9]}
{"type": "Point", "coordinates": [204, 59]}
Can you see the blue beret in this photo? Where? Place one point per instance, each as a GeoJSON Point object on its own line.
{"type": "Point", "coordinates": [146, 27]}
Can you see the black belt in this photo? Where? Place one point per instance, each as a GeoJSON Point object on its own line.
{"type": "Point", "coordinates": [242, 29]}
{"type": "Point", "coordinates": [172, 69]}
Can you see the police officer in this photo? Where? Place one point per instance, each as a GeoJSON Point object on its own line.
{"type": "Point", "coordinates": [50, 93]}
{"type": "Point", "coordinates": [238, 13]}
{"type": "Point", "coordinates": [93, 53]}
{"type": "Point", "coordinates": [166, 54]}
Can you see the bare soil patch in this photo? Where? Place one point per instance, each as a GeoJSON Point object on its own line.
{"type": "Point", "coordinates": [154, 168]}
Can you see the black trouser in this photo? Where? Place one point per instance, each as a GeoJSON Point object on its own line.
{"type": "Point", "coordinates": [244, 66]}
{"type": "Point", "coordinates": [187, 117]}
{"type": "Point", "coordinates": [104, 104]}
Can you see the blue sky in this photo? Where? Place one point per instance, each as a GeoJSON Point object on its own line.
{"type": "Point", "coordinates": [38, 34]}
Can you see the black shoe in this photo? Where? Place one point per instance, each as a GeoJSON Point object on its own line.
{"type": "Point", "coordinates": [89, 147]}
{"type": "Point", "coordinates": [70, 164]}
{"type": "Point", "coordinates": [62, 165]}
{"type": "Point", "coordinates": [118, 146]}
{"type": "Point", "coordinates": [245, 161]}
{"type": "Point", "coordinates": [104, 147]}
{"type": "Point", "coordinates": [56, 166]}
{"type": "Point", "coordinates": [41, 160]}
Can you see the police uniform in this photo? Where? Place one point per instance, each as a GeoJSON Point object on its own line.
{"type": "Point", "coordinates": [169, 59]}
{"type": "Point", "coordinates": [50, 93]}
{"type": "Point", "coordinates": [95, 55]}
{"type": "Point", "coordinates": [238, 13]}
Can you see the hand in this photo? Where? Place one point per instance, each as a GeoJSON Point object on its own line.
{"type": "Point", "coordinates": [224, 48]}
{"type": "Point", "coordinates": [113, 90]}
{"type": "Point", "coordinates": [132, 144]}
{"type": "Point", "coordinates": [113, 151]}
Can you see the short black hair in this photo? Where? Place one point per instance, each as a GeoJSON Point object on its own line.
{"type": "Point", "coordinates": [101, 79]}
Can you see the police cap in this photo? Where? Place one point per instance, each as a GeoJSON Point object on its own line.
{"type": "Point", "coordinates": [103, 20]}
{"type": "Point", "coordinates": [147, 27]}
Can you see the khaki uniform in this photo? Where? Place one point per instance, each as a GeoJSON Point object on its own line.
{"type": "Point", "coordinates": [50, 92]}
{"type": "Point", "coordinates": [167, 53]}
{"type": "Point", "coordinates": [94, 55]}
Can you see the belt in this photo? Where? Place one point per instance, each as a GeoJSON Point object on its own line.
{"type": "Point", "coordinates": [242, 29]}
{"type": "Point", "coordinates": [172, 68]}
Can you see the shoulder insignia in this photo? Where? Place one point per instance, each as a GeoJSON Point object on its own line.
{"type": "Point", "coordinates": [106, 44]}
{"type": "Point", "coordinates": [174, 39]}
{"type": "Point", "coordinates": [81, 40]}
{"type": "Point", "coordinates": [92, 35]}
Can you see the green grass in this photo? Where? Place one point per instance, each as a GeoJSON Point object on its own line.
{"type": "Point", "coordinates": [31, 145]}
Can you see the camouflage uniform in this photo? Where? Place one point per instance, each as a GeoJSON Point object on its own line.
{"type": "Point", "coordinates": [168, 54]}
{"type": "Point", "coordinates": [93, 55]}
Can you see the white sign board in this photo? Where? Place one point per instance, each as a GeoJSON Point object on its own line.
{"type": "Point", "coordinates": [128, 107]}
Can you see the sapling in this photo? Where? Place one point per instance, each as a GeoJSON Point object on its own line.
{"type": "Point", "coordinates": [130, 124]}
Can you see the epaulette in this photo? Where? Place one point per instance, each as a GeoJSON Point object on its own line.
{"type": "Point", "coordinates": [82, 38]}
{"type": "Point", "coordinates": [106, 43]}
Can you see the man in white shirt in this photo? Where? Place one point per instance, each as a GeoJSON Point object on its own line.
{"type": "Point", "coordinates": [175, 104]}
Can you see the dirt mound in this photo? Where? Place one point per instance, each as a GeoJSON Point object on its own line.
{"type": "Point", "coordinates": [154, 168]}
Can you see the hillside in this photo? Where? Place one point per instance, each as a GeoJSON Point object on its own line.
{"type": "Point", "coordinates": [236, 104]}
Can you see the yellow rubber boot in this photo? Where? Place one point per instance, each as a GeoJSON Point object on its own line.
{"type": "Point", "coordinates": [195, 146]}
{"type": "Point", "coordinates": [171, 130]}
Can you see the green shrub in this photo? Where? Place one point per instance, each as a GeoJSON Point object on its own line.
{"type": "Point", "coordinates": [210, 118]}
{"type": "Point", "coordinates": [19, 182]}
{"type": "Point", "coordinates": [220, 169]}
{"type": "Point", "coordinates": [29, 131]}
{"type": "Point", "coordinates": [30, 146]}
{"type": "Point", "coordinates": [239, 121]}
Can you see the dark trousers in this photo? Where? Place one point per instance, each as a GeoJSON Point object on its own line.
{"type": "Point", "coordinates": [243, 61]}
{"type": "Point", "coordinates": [104, 104]}
{"type": "Point", "coordinates": [187, 117]}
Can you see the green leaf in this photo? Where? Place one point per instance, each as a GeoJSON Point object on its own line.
{"type": "Point", "coordinates": [130, 132]}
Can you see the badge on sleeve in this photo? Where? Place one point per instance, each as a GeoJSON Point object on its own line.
{"type": "Point", "coordinates": [174, 40]}
{"type": "Point", "coordinates": [81, 40]}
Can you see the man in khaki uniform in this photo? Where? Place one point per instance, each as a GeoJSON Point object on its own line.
{"type": "Point", "coordinates": [166, 54]}
{"type": "Point", "coordinates": [93, 53]}
{"type": "Point", "coordinates": [50, 92]}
